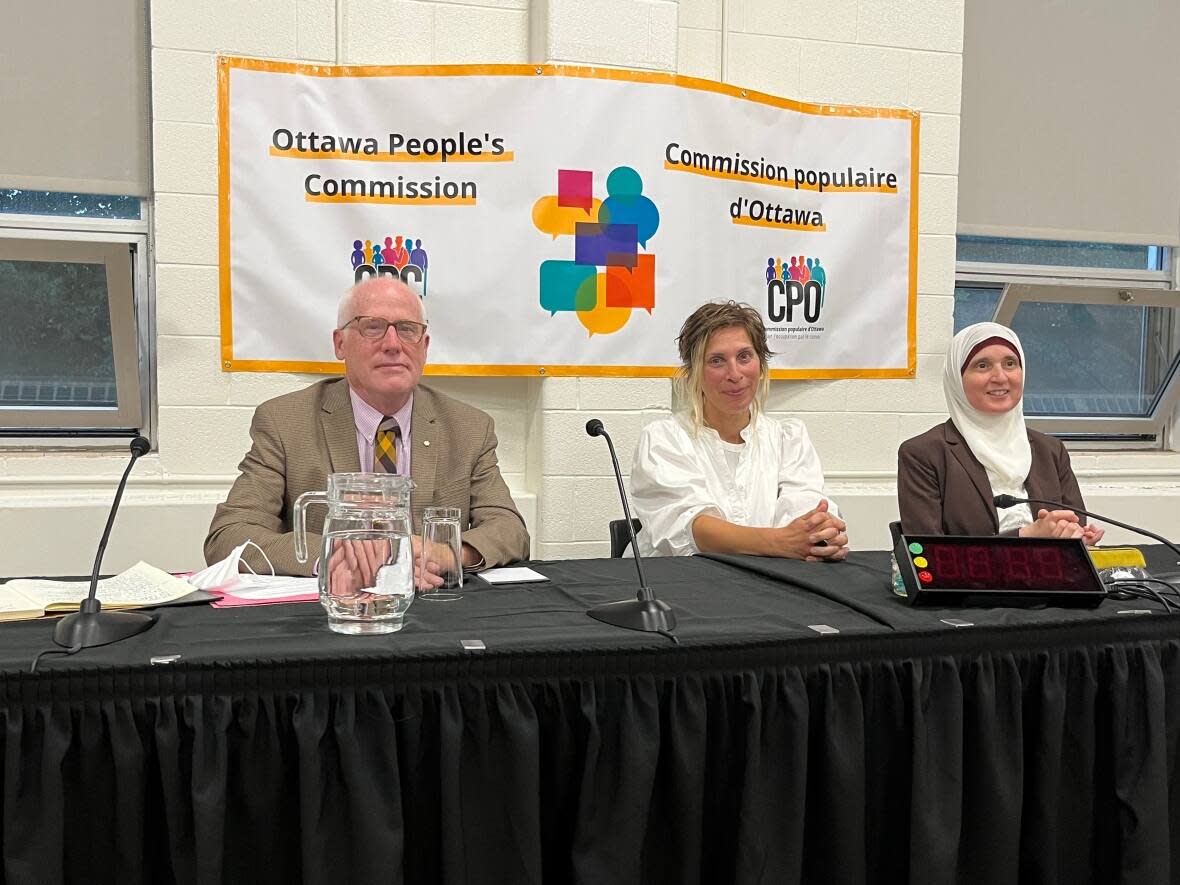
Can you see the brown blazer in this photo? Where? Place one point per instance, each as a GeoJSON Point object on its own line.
{"type": "Point", "coordinates": [943, 490]}
{"type": "Point", "coordinates": [301, 437]}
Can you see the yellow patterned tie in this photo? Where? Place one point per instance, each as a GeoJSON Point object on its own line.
{"type": "Point", "coordinates": [385, 446]}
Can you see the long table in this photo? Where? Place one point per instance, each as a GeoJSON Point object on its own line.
{"type": "Point", "coordinates": [1036, 746]}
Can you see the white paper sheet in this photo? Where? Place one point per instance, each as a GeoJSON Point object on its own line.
{"type": "Point", "coordinates": [512, 575]}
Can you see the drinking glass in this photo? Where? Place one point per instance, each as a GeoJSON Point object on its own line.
{"type": "Point", "coordinates": [442, 544]}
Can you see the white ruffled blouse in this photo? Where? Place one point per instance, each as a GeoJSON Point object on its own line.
{"type": "Point", "coordinates": [676, 477]}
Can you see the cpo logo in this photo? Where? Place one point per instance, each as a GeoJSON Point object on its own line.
{"type": "Point", "coordinates": [401, 256]}
{"type": "Point", "coordinates": [795, 289]}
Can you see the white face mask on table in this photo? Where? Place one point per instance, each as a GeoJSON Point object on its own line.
{"type": "Point", "coordinates": [225, 573]}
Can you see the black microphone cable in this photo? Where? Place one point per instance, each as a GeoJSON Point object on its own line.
{"type": "Point", "coordinates": [73, 650]}
{"type": "Point", "coordinates": [1012, 501]}
{"type": "Point", "coordinates": [1138, 587]}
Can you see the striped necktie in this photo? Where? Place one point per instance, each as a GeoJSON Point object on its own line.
{"type": "Point", "coordinates": [385, 446]}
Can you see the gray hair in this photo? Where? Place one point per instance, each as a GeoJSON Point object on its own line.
{"type": "Point", "coordinates": [344, 310]}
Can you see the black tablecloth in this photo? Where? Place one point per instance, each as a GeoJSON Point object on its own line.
{"type": "Point", "coordinates": [1037, 746]}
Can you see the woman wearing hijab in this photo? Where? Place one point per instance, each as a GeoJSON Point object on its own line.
{"type": "Point", "coordinates": [722, 477]}
{"type": "Point", "coordinates": [948, 476]}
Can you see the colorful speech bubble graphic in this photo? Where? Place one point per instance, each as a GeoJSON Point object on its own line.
{"type": "Point", "coordinates": [632, 287]}
{"type": "Point", "coordinates": [625, 204]}
{"type": "Point", "coordinates": [603, 320]}
{"type": "Point", "coordinates": [575, 187]}
{"type": "Point", "coordinates": [605, 244]}
{"type": "Point", "coordinates": [608, 234]}
{"type": "Point", "coordinates": [552, 218]}
{"type": "Point", "coordinates": [626, 211]}
{"type": "Point", "coordinates": [566, 285]}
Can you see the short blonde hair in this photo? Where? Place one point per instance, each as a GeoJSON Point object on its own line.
{"type": "Point", "coordinates": [693, 341]}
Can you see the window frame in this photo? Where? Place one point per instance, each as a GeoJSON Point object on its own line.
{"type": "Point", "coordinates": [1021, 283]}
{"type": "Point", "coordinates": [132, 316]}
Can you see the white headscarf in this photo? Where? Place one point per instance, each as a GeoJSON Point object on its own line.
{"type": "Point", "coordinates": [999, 442]}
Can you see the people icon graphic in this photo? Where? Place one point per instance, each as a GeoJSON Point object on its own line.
{"type": "Point", "coordinates": [418, 255]}
{"type": "Point", "coordinates": [400, 256]}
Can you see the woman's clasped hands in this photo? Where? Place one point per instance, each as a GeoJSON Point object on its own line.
{"type": "Point", "coordinates": [816, 536]}
{"type": "Point", "coordinates": [1061, 524]}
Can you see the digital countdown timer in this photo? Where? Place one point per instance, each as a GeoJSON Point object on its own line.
{"type": "Point", "coordinates": [942, 567]}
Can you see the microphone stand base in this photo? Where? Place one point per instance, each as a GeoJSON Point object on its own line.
{"type": "Point", "coordinates": [648, 615]}
{"type": "Point", "coordinates": [88, 629]}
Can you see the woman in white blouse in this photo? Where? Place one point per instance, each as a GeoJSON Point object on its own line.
{"type": "Point", "coordinates": [721, 477]}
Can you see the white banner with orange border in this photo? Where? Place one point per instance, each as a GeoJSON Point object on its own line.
{"type": "Point", "coordinates": [559, 220]}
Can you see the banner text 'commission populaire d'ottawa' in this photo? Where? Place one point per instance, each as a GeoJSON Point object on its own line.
{"type": "Point", "coordinates": [562, 221]}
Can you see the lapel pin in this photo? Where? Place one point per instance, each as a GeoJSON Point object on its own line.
{"type": "Point", "coordinates": [425, 442]}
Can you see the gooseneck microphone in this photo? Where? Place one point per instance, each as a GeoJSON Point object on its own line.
{"type": "Point", "coordinates": [645, 612]}
{"type": "Point", "coordinates": [1012, 501]}
{"type": "Point", "coordinates": [91, 626]}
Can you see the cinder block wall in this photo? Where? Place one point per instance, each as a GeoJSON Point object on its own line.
{"type": "Point", "coordinates": [873, 52]}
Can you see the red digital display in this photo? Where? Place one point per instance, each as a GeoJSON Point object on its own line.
{"type": "Point", "coordinates": [1005, 564]}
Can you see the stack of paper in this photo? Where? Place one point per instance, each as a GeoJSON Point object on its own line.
{"type": "Point", "coordinates": [267, 590]}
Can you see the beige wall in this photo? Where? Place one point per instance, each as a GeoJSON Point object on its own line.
{"type": "Point", "coordinates": [876, 52]}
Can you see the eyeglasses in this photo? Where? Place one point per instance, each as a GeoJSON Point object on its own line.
{"type": "Point", "coordinates": [376, 327]}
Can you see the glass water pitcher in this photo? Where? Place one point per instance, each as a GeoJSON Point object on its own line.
{"type": "Point", "coordinates": [366, 561]}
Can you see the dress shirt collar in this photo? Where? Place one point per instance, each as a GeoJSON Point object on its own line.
{"type": "Point", "coordinates": [367, 418]}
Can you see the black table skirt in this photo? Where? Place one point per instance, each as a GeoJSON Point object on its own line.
{"type": "Point", "coordinates": [1039, 747]}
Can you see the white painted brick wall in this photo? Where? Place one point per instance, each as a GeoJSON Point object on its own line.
{"type": "Point", "coordinates": [901, 52]}
{"type": "Point", "coordinates": [186, 300]}
{"type": "Point", "coordinates": [911, 24]}
{"type": "Point", "coordinates": [256, 27]}
{"type": "Point", "coordinates": [850, 441]}
{"type": "Point", "coordinates": [623, 33]}
{"type": "Point", "coordinates": [939, 148]}
{"type": "Point", "coordinates": [763, 62]}
{"type": "Point", "coordinates": [832, 20]}
{"type": "Point", "coordinates": [897, 52]}
{"type": "Point", "coordinates": [315, 30]}
{"type": "Point", "coordinates": [936, 264]}
{"type": "Point", "coordinates": [699, 53]}
{"type": "Point", "coordinates": [936, 315]}
{"type": "Point", "coordinates": [203, 439]}
{"type": "Point", "coordinates": [843, 51]}
{"type": "Point", "coordinates": [184, 87]}
{"type": "Point", "coordinates": [936, 80]}
{"type": "Point", "coordinates": [464, 35]}
{"type": "Point", "coordinates": [938, 203]}
{"type": "Point", "coordinates": [920, 394]}
{"type": "Point", "coordinates": [204, 413]}
{"type": "Point", "coordinates": [843, 73]}
{"type": "Point", "coordinates": [391, 32]}
{"type": "Point", "coordinates": [185, 157]}
{"type": "Point", "coordinates": [702, 14]}
{"type": "Point", "coordinates": [186, 229]}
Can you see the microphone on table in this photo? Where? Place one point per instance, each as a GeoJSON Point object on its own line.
{"type": "Point", "coordinates": [645, 612]}
{"type": "Point", "coordinates": [91, 626]}
{"type": "Point", "coordinates": [1012, 501]}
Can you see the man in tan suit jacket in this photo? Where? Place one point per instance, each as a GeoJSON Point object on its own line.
{"type": "Point", "coordinates": [301, 437]}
